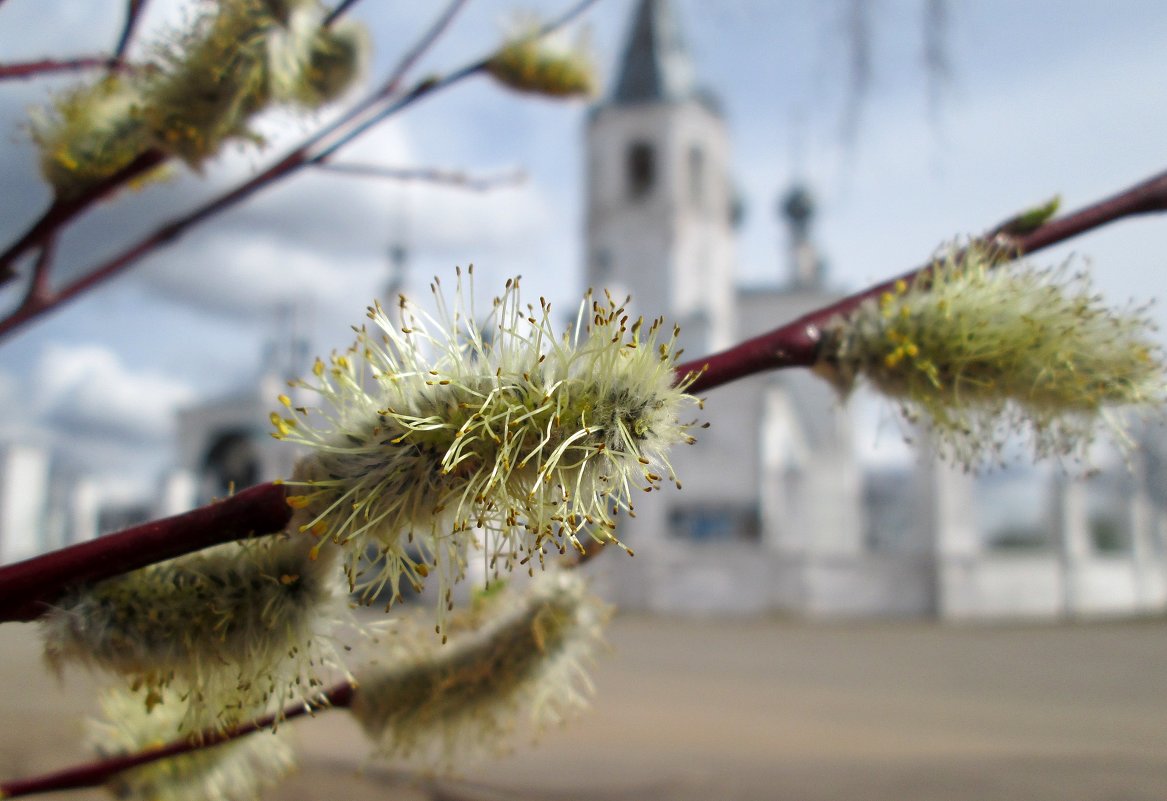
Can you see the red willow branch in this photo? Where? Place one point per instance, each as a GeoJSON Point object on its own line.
{"type": "Point", "coordinates": [98, 772]}
{"type": "Point", "coordinates": [62, 211]}
{"type": "Point", "coordinates": [317, 148]}
{"type": "Point", "coordinates": [50, 66]}
{"type": "Point", "coordinates": [796, 343]}
{"type": "Point", "coordinates": [29, 588]}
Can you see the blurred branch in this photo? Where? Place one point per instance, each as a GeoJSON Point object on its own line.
{"type": "Point", "coordinates": [38, 285]}
{"type": "Point", "coordinates": [28, 588]}
{"type": "Point", "coordinates": [61, 211]}
{"type": "Point", "coordinates": [433, 84]}
{"type": "Point", "coordinates": [796, 343]}
{"type": "Point", "coordinates": [134, 9]}
{"type": "Point", "coordinates": [447, 177]}
{"type": "Point", "coordinates": [340, 10]}
{"type": "Point", "coordinates": [318, 147]}
{"type": "Point", "coordinates": [100, 771]}
{"type": "Point", "coordinates": [50, 66]}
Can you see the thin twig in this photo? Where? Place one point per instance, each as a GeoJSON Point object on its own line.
{"type": "Point", "coordinates": [312, 151]}
{"type": "Point", "coordinates": [338, 12]}
{"type": "Point", "coordinates": [433, 84]}
{"type": "Point", "coordinates": [134, 9]}
{"type": "Point", "coordinates": [62, 210]}
{"type": "Point", "coordinates": [50, 66]}
{"type": "Point", "coordinates": [38, 285]}
{"type": "Point", "coordinates": [448, 177]}
{"type": "Point", "coordinates": [796, 343]}
{"type": "Point", "coordinates": [98, 772]}
{"type": "Point", "coordinates": [29, 588]}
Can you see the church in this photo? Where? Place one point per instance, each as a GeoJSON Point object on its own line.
{"type": "Point", "coordinates": [777, 513]}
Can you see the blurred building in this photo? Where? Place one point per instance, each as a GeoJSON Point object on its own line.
{"type": "Point", "coordinates": [778, 513]}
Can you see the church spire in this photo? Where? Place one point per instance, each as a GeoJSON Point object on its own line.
{"type": "Point", "coordinates": [656, 66]}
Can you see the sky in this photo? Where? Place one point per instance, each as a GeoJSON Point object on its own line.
{"type": "Point", "coordinates": [1042, 97]}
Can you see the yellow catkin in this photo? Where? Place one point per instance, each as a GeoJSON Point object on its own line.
{"type": "Point", "coordinates": [982, 353]}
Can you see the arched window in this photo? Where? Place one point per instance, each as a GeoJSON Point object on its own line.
{"type": "Point", "coordinates": [641, 169]}
{"type": "Point", "coordinates": [231, 463]}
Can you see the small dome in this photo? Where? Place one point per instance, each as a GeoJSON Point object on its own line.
{"type": "Point", "coordinates": [797, 205]}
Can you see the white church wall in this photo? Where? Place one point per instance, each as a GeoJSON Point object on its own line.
{"type": "Point", "coordinates": [1104, 586]}
{"type": "Point", "coordinates": [1000, 586]}
{"type": "Point", "coordinates": [867, 585]}
{"type": "Point", "coordinates": [718, 578]}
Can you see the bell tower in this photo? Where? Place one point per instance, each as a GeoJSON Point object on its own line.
{"type": "Point", "coordinates": [660, 210]}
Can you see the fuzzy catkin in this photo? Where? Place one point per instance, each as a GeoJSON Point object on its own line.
{"type": "Point", "coordinates": [439, 432]}
{"type": "Point", "coordinates": [522, 650]}
{"type": "Point", "coordinates": [238, 770]}
{"type": "Point", "coordinates": [547, 65]}
{"type": "Point", "coordinates": [238, 627]}
{"type": "Point", "coordinates": [981, 353]}
{"type": "Point", "coordinates": [200, 89]}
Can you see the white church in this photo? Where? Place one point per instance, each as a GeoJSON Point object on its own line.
{"type": "Point", "coordinates": [778, 514]}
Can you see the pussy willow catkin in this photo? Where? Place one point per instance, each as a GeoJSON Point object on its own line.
{"type": "Point", "coordinates": [201, 88]}
{"type": "Point", "coordinates": [237, 628]}
{"type": "Point", "coordinates": [981, 353]}
{"type": "Point", "coordinates": [518, 652]}
{"type": "Point", "coordinates": [239, 770]}
{"type": "Point", "coordinates": [437, 432]}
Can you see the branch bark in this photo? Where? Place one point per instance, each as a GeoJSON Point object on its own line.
{"type": "Point", "coordinates": [51, 66]}
{"type": "Point", "coordinates": [29, 588]}
{"type": "Point", "coordinates": [98, 772]}
{"type": "Point", "coordinates": [795, 344]}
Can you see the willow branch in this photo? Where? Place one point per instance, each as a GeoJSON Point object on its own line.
{"type": "Point", "coordinates": [374, 109]}
{"type": "Point", "coordinates": [796, 343]}
{"type": "Point", "coordinates": [134, 9]}
{"type": "Point", "coordinates": [38, 285]}
{"type": "Point", "coordinates": [338, 12]}
{"type": "Point", "coordinates": [431, 85]}
{"type": "Point", "coordinates": [61, 211]}
{"type": "Point", "coordinates": [98, 772]}
{"type": "Point", "coordinates": [29, 588]}
{"type": "Point", "coordinates": [51, 66]}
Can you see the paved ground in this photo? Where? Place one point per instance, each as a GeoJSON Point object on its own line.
{"type": "Point", "coordinates": [766, 710]}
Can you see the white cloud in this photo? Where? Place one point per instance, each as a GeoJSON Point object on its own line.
{"type": "Point", "coordinates": [87, 390]}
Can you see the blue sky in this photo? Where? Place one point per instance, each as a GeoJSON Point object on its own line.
{"type": "Point", "coordinates": [1045, 97]}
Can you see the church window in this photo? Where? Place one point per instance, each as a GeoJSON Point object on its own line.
{"type": "Point", "coordinates": [715, 523]}
{"type": "Point", "coordinates": [603, 263]}
{"type": "Point", "coordinates": [641, 169]}
{"type": "Point", "coordinates": [231, 463]}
